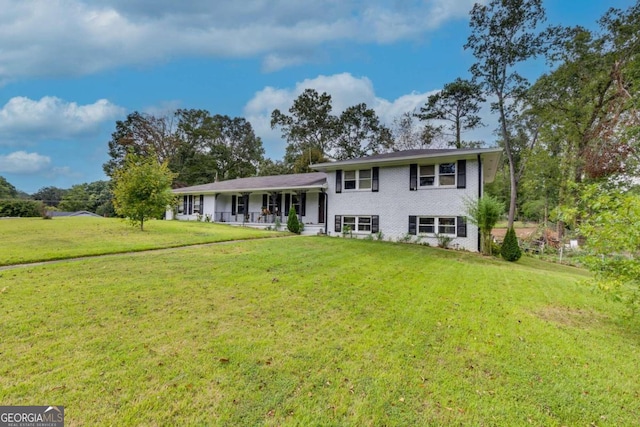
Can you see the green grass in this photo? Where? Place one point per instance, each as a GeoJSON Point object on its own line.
{"type": "Point", "coordinates": [316, 331]}
{"type": "Point", "coordinates": [34, 239]}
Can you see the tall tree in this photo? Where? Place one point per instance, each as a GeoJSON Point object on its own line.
{"type": "Point", "coordinates": [75, 199]}
{"type": "Point", "coordinates": [458, 103]}
{"type": "Point", "coordinates": [407, 135]}
{"type": "Point", "coordinates": [142, 189]}
{"type": "Point", "coordinates": [309, 125]}
{"type": "Point", "coordinates": [50, 196]}
{"type": "Point", "coordinates": [504, 35]}
{"type": "Point", "coordinates": [142, 134]}
{"type": "Point", "coordinates": [361, 134]}
{"type": "Point", "coordinates": [7, 191]}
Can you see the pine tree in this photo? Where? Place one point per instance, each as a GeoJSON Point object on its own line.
{"type": "Point", "coordinates": [510, 250]}
{"type": "Point", "coordinates": [292, 222]}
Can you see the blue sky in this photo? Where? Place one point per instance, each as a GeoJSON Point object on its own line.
{"type": "Point", "coordinates": [70, 68]}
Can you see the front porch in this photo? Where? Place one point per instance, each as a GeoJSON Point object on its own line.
{"type": "Point", "coordinates": [267, 221]}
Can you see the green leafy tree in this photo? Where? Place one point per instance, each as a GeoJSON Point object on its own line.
{"type": "Point", "coordinates": [609, 224]}
{"type": "Point", "coordinates": [510, 249]}
{"type": "Point", "coordinates": [485, 213]}
{"type": "Point", "coordinates": [50, 196]}
{"type": "Point", "coordinates": [361, 134]}
{"type": "Point", "coordinates": [503, 35]}
{"type": "Point", "coordinates": [293, 224]}
{"type": "Point", "coordinates": [268, 167]}
{"type": "Point", "coordinates": [458, 103]}
{"type": "Point", "coordinates": [144, 135]}
{"type": "Point", "coordinates": [7, 191]}
{"type": "Point", "coordinates": [75, 199]}
{"type": "Point", "coordinates": [142, 189]}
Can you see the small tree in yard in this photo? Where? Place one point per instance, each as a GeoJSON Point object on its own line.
{"type": "Point", "coordinates": [293, 224]}
{"type": "Point", "coordinates": [510, 250]}
{"type": "Point", "coordinates": [142, 189]}
{"type": "Point", "coordinates": [485, 213]}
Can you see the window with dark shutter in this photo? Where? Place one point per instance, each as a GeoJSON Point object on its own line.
{"type": "Point", "coordinates": [185, 205]}
{"type": "Point", "coordinates": [339, 181]}
{"type": "Point", "coordinates": [462, 173]}
{"type": "Point", "coordinates": [338, 224]}
{"type": "Point", "coordinates": [375, 223]}
{"type": "Point", "coordinates": [412, 224]}
{"type": "Point", "coordinates": [287, 204]}
{"type": "Point", "coordinates": [233, 204]}
{"type": "Point", "coordinates": [413, 177]}
{"type": "Point", "coordinates": [461, 225]}
{"type": "Point", "coordinates": [303, 204]}
{"type": "Point", "coordinates": [375, 172]}
{"type": "Point", "coordinates": [265, 201]}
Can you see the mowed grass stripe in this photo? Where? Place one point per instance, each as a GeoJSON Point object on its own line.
{"type": "Point", "coordinates": [316, 331]}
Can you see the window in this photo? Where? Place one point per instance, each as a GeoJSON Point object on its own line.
{"type": "Point", "coordinates": [240, 205]}
{"type": "Point", "coordinates": [426, 225]}
{"type": "Point", "coordinates": [439, 225]}
{"type": "Point", "coordinates": [446, 226]}
{"type": "Point", "coordinates": [357, 180]}
{"type": "Point", "coordinates": [427, 175]}
{"type": "Point", "coordinates": [446, 175]}
{"type": "Point", "coordinates": [357, 223]}
{"type": "Point", "coordinates": [196, 204]}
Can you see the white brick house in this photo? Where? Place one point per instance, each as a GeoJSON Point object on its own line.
{"type": "Point", "coordinates": [416, 193]}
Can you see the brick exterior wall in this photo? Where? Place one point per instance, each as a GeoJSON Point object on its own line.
{"type": "Point", "coordinates": [395, 202]}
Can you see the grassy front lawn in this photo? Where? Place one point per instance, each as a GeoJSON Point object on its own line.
{"type": "Point", "coordinates": [316, 331]}
{"type": "Point", "coordinates": [34, 239]}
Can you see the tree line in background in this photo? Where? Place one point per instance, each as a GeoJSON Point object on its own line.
{"type": "Point", "coordinates": [575, 125]}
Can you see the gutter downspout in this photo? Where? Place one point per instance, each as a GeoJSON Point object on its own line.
{"type": "Point", "coordinates": [326, 212]}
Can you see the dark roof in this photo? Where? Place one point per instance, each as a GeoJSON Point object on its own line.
{"type": "Point", "coordinates": [407, 156]}
{"type": "Point", "coordinates": [261, 183]}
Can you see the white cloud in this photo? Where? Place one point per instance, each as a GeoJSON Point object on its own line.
{"type": "Point", "coordinates": [53, 118]}
{"type": "Point", "coordinates": [345, 90]}
{"type": "Point", "coordinates": [76, 37]}
{"type": "Point", "coordinates": [21, 162]}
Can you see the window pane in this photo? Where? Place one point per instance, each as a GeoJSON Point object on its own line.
{"type": "Point", "coordinates": [365, 184]}
{"type": "Point", "coordinates": [349, 185]}
{"type": "Point", "coordinates": [447, 180]}
{"type": "Point", "coordinates": [447, 226]}
{"type": "Point", "coordinates": [426, 225]}
{"type": "Point", "coordinates": [349, 175]}
{"type": "Point", "coordinates": [365, 173]}
{"type": "Point", "coordinates": [364, 223]}
{"type": "Point", "coordinates": [427, 170]}
{"type": "Point", "coordinates": [426, 180]}
{"type": "Point", "coordinates": [447, 168]}
{"type": "Point", "coordinates": [349, 220]}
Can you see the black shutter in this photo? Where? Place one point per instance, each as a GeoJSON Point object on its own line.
{"type": "Point", "coordinates": [279, 203]}
{"type": "Point", "coordinates": [339, 181]}
{"type": "Point", "coordinates": [185, 204]}
{"type": "Point", "coordinates": [375, 223]}
{"type": "Point", "coordinates": [338, 225]}
{"type": "Point", "coordinates": [287, 203]}
{"type": "Point", "coordinates": [374, 179]}
{"type": "Point", "coordinates": [413, 224]}
{"type": "Point", "coordinates": [303, 204]}
{"type": "Point", "coordinates": [461, 225]}
{"type": "Point", "coordinates": [233, 205]}
{"type": "Point", "coordinates": [190, 205]}
{"type": "Point", "coordinates": [265, 201]}
{"type": "Point", "coordinates": [201, 203]}
{"type": "Point", "coordinates": [413, 177]}
{"type": "Point", "coordinates": [462, 174]}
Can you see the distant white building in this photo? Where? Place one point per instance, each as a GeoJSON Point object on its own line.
{"type": "Point", "coordinates": [414, 192]}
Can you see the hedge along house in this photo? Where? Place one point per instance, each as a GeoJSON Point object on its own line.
{"type": "Point", "coordinates": [413, 194]}
{"type": "Point", "coordinates": [257, 201]}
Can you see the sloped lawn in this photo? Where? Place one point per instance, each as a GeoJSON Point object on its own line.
{"type": "Point", "coordinates": [34, 239]}
{"type": "Point", "coordinates": [316, 331]}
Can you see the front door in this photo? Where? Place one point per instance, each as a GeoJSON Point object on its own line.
{"type": "Point", "coordinates": [322, 199]}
